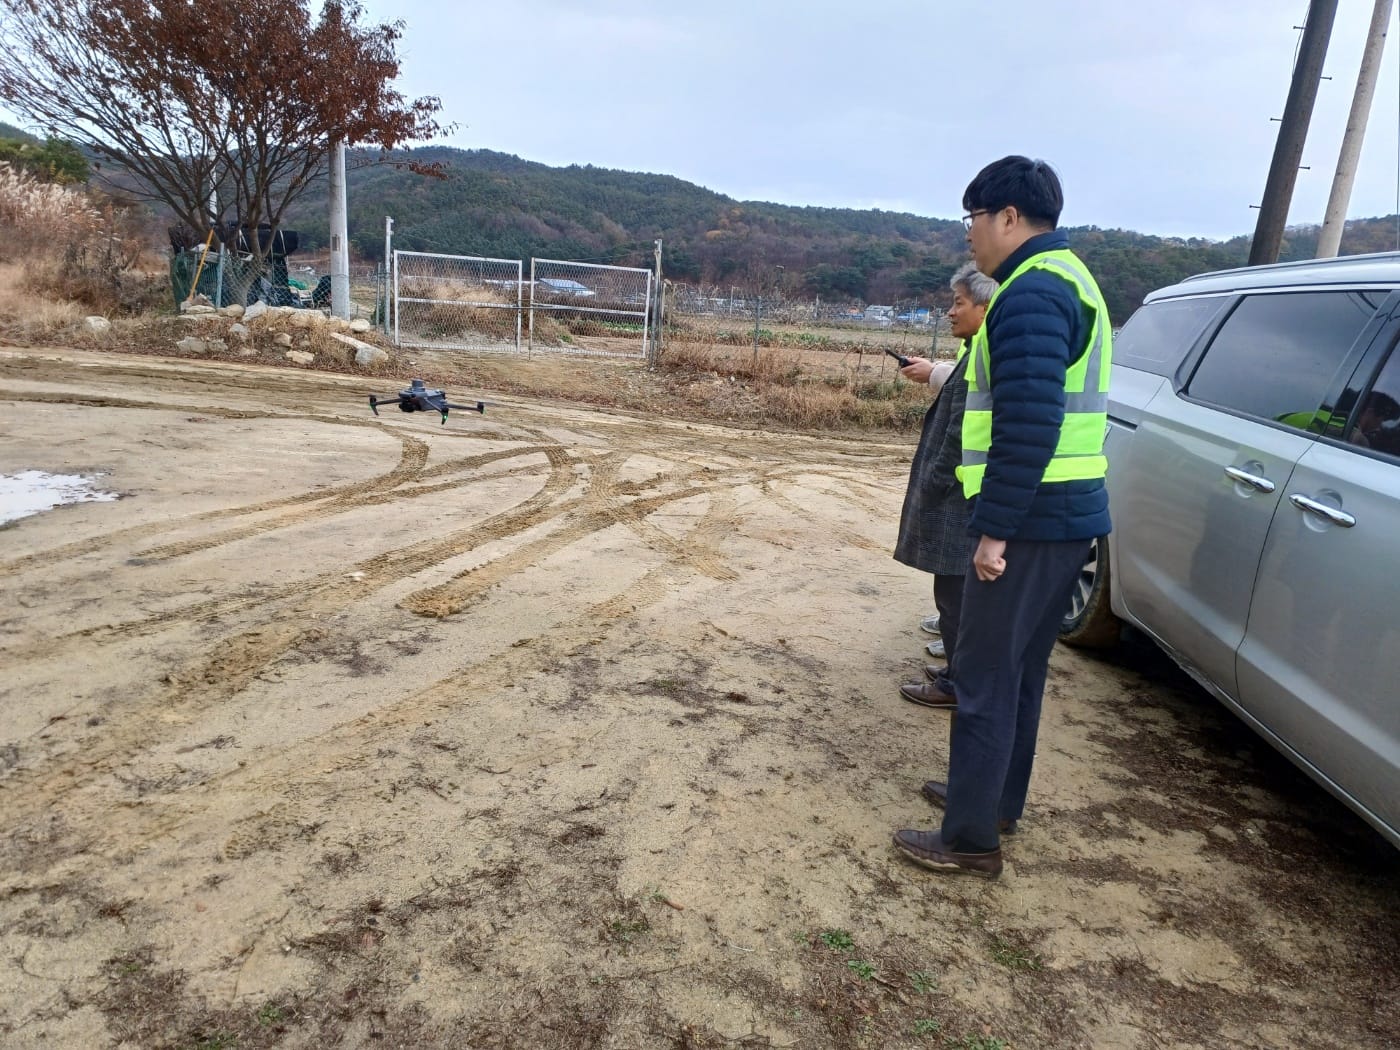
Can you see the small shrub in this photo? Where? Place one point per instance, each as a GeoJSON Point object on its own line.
{"type": "Point", "coordinates": [838, 940]}
{"type": "Point", "coordinates": [978, 1042]}
{"type": "Point", "coordinates": [1012, 957]}
{"type": "Point", "coordinates": [883, 390]}
{"type": "Point", "coordinates": [923, 982]}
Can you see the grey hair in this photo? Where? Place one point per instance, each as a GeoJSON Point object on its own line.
{"type": "Point", "coordinates": [974, 283]}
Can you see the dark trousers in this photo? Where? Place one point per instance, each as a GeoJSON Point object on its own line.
{"type": "Point", "coordinates": [1008, 629]}
{"type": "Point", "coordinates": [948, 598]}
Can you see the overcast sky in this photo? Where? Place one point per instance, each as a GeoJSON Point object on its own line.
{"type": "Point", "coordinates": [1156, 113]}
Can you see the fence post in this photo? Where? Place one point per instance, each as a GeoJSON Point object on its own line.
{"type": "Point", "coordinates": [530, 335]}
{"type": "Point", "coordinates": [219, 280]}
{"type": "Point", "coordinates": [660, 320]}
{"type": "Point", "coordinates": [388, 266]}
{"type": "Point", "coordinates": [757, 319]}
{"type": "Point", "coordinates": [394, 277]}
{"type": "Point", "coordinates": [653, 349]}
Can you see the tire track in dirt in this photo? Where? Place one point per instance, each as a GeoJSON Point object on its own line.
{"type": "Point", "coordinates": [839, 534]}
{"type": "Point", "coordinates": [333, 590]}
{"type": "Point", "coordinates": [589, 515]}
{"type": "Point", "coordinates": [410, 465]}
{"type": "Point", "coordinates": [859, 494]}
{"type": "Point", "coordinates": [231, 665]}
{"type": "Point", "coordinates": [233, 662]}
{"type": "Point", "coordinates": [695, 549]}
{"type": "Point", "coordinates": [233, 380]}
{"type": "Point", "coordinates": [351, 746]}
{"type": "Point", "coordinates": [372, 572]}
{"type": "Point", "coordinates": [348, 501]}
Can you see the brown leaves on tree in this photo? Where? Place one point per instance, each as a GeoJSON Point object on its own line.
{"type": "Point", "coordinates": [188, 97]}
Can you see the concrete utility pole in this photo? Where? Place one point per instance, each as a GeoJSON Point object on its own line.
{"type": "Point", "coordinates": [1329, 242]}
{"type": "Point", "coordinates": [657, 304]}
{"type": "Point", "coordinates": [389, 275]}
{"type": "Point", "coordinates": [340, 247]}
{"type": "Point", "coordinates": [215, 220]}
{"type": "Point", "coordinates": [1292, 134]}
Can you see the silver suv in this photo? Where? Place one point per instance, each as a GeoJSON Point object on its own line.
{"type": "Point", "coordinates": [1254, 482]}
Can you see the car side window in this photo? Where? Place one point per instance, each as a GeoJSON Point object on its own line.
{"type": "Point", "coordinates": [1376, 424]}
{"type": "Point", "coordinates": [1276, 355]}
{"type": "Point", "coordinates": [1158, 335]}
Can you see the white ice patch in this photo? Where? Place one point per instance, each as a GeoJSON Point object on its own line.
{"type": "Point", "coordinates": [34, 491]}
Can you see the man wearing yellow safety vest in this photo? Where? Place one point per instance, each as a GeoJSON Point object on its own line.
{"type": "Point", "coordinates": [1033, 467]}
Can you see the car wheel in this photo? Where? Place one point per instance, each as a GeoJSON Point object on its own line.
{"type": "Point", "coordinates": [1090, 623]}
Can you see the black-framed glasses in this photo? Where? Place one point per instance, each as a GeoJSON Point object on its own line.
{"type": "Point", "coordinates": [967, 219]}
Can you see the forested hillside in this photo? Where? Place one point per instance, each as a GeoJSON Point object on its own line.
{"type": "Point", "coordinates": [498, 205]}
{"type": "Point", "coordinates": [495, 204]}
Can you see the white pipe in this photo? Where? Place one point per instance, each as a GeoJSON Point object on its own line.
{"type": "Point", "coordinates": [1329, 241]}
{"type": "Point", "coordinates": [340, 247]}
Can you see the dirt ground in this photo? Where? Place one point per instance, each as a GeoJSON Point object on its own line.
{"type": "Point", "coordinates": [557, 728]}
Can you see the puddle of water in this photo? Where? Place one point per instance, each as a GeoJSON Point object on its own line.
{"type": "Point", "coordinates": [34, 491]}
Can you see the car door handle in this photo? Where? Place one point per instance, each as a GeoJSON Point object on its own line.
{"type": "Point", "coordinates": [1322, 510]}
{"type": "Point", "coordinates": [1244, 477]}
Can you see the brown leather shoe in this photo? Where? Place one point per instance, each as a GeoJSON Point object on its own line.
{"type": "Point", "coordinates": [926, 694]}
{"type": "Point", "coordinates": [926, 848]}
{"type": "Point", "coordinates": [933, 671]}
{"type": "Point", "coordinates": [936, 792]}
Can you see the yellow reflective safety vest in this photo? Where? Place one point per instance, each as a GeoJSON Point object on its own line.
{"type": "Point", "coordinates": [1079, 453]}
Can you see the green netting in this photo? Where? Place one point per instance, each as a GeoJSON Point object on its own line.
{"type": "Point", "coordinates": [243, 280]}
{"type": "Point", "coordinates": [183, 266]}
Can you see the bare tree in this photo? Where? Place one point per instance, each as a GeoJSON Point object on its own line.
{"type": "Point", "coordinates": [224, 95]}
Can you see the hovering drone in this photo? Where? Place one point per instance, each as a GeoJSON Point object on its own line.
{"type": "Point", "coordinates": [418, 398]}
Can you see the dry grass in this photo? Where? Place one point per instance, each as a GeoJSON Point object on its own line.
{"type": "Point", "coordinates": [808, 389]}
{"type": "Point", "coordinates": [29, 313]}
{"type": "Point", "coordinates": [84, 258]}
{"type": "Point", "coordinates": [35, 216]}
{"type": "Point", "coordinates": [76, 246]}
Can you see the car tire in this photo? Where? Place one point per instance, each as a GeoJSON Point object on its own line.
{"type": "Point", "coordinates": [1090, 623]}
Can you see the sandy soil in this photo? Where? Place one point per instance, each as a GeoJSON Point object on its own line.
{"type": "Point", "coordinates": [559, 728]}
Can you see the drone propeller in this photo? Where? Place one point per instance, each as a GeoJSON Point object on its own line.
{"type": "Point", "coordinates": [417, 398]}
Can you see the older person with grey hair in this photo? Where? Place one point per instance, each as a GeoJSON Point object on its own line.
{"type": "Point", "coordinates": [933, 533]}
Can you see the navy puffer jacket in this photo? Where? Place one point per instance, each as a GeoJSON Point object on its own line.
{"type": "Point", "coordinates": [1036, 329]}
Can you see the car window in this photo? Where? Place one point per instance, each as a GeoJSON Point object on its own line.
{"type": "Point", "coordinates": [1376, 424]}
{"type": "Point", "coordinates": [1276, 355]}
{"type": "Point", "coordinates": [1157, 336]}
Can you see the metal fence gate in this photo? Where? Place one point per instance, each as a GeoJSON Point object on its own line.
{"type": "Point", "coordinates": [467, 302]}
{"type": "Point", "coordinates": [457, 302]}
{"type": "Point", "coordinates": [589, 308]}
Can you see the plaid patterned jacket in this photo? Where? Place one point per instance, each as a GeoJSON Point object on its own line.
{"type": "Point", "coordinates": [933, 532]}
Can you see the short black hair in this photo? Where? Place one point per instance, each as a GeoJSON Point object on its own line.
{"type": "Point", "coordinates": [1029, 186]}
{"type": "Point", "coordinates": [1382, 404]}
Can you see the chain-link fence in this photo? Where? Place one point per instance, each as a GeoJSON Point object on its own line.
{"type": "Point", "coordinates": [588, 308]}
{"type": "Point", "coordinates": [462, 302]}
{"type": "Point", "coordinates": [736, 302]}
{"type": "Point", "coordinates": [710, 327]}
{"type": "Point", "coordinates": [369, 293]}
{"type": "Point", "coordinates": [228, 277]}
{"type": "Point", "coordinates": [456, 302]}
